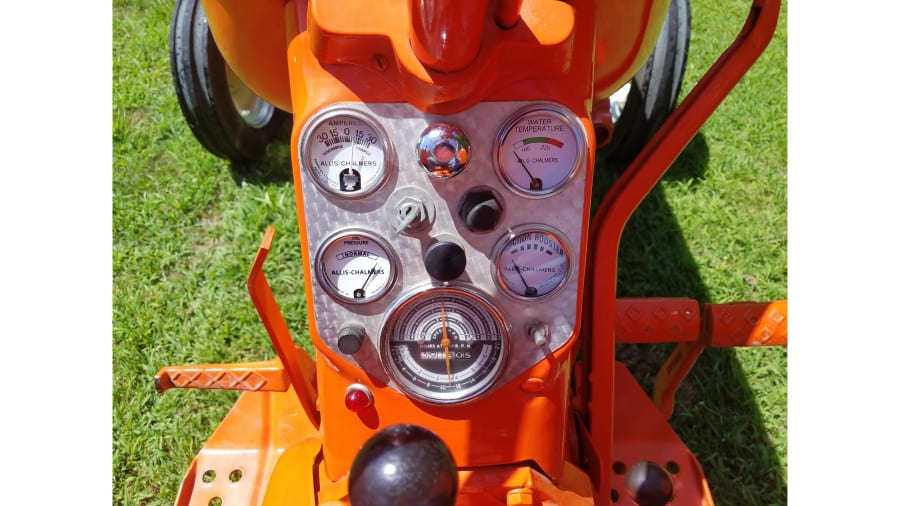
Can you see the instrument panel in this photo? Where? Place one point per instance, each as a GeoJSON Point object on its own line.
{"type": "Point", "coordinates": [446, 247]}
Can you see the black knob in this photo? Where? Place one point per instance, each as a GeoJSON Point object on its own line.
{"type": "Point", "coordinates": [403, 464]}
{"type": "Point", "coordinates": [649, 484]}
{"type": "Point", "coordinates": [445, 260]}
{"type": "Point", "coordinates": [350, 338]}
{"type": "Point", "coordinates": [480, 210]}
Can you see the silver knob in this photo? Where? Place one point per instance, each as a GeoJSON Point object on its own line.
{"type": "Point", "coordinates": [539, 332]}
{"type": "Point", "coordinates": [443, 150]}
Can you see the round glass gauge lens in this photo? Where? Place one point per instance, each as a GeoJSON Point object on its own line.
{"type": "Point", "coordinates": [539, 150]}
{"type": "Point", "coordinates": [356, 267]}
{"type": "Point", "coordinates": [531, 263]}
{"type": "Point", "coordinates": [445, 345]}
{"type": "Point", "coordinates": [347, 154]}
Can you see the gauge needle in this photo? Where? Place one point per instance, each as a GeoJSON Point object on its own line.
{"type": "Point", "coordinates": [530, 291]}
{"type": "Point", "coordinates": [445, 343]}
{"type": "Point", "coordinates": [536, 183]}
{"type": "Point", "coordinates": [362, 289]}
{"type": "Point", "coordinates": [348, 182]}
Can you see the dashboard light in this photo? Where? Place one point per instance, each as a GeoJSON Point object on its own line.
{"type": "Point", "coordinates": [357, 398]}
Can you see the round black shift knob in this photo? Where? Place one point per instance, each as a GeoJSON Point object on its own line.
{"type": "Point", "coordinates": [445, 260]}
{"type": "Point", "coordinates": [403, 464]}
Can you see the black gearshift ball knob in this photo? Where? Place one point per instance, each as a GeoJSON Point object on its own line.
{"type": "Point", "coordinates": [403, 464]}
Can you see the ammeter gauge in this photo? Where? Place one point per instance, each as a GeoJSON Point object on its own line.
{"type": "Point", "coordinates": [445, 344]}
{"type": "Point", "coordinates": [356, 266]}
{"type": "Point", "coordinates": [538, 150]}
{"type": "Point", "coordinates": [347, 153]}
{"type": "Point", "coordinates": [531, 262]}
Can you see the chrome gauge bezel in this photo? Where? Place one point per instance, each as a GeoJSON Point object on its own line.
{"type": "Point", "coordinates": [487, 310]}
{"type": "Point", "coordinates": [567, 118]}
{"type": "Point", "coordinates": [325, 280]}
{"type": "Point", "coordinates": [306, 152]}
{"type": "Point", "coordinates": [511, 235]}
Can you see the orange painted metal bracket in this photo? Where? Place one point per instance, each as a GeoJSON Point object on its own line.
{"type": "Point", "coordinates": [642, 434]}
{"type": "Point", "coordinates": [672, 373]}
{"type": "Point", "coordinates": [724, 325]}
{"type": "Point", "coordinates": [267, 376]}
{"type": "Point", "coordinates": [262, 454]}
{"type": "Point", "coordinates": [465, 56]}
{"type": "Point", "coordinates": [301, 369]}
{"type": "Point", "coordinates": [628, 192]}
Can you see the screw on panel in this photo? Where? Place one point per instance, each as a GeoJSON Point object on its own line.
{"type": "Point", "coordinates": [379, 62]}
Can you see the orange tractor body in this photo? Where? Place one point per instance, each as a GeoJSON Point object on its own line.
{"type": "Point", "coordinates": [544, 414]}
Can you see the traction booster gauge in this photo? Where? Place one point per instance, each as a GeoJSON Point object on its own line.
{"type": "Point", "coordinates": [532, 262]}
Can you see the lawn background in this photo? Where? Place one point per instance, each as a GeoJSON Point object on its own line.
{"type": "Point", "coordinates": [185, 229]}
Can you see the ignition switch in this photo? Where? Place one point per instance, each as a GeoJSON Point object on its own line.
{"type": "Point", "coordinates": [410, 210]}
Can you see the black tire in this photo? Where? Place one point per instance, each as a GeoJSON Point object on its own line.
{"type": "Point", "coordinates": [202, 80]}
{"type": "Point", "coordinates": [654, 89]}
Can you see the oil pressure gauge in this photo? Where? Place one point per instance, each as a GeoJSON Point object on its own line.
{"type": "Point", "coordinates": [531, 262]}
{"type": "Point", "coordinates": [445, 344]}
{"type": "Point", "coordinates": [356, 266]}
{"type": "Point", "coordinates": [347, 153]}
{"type": "Point", "coordinates": [539, 150]}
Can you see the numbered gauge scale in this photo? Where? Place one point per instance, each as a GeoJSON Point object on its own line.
{"type": "Point", "coordinates": [347, 153]}
{"type": "Point", "coordinates": [364, 274]}
{"type": "Point", "coordinates": [532, 262]}
{"type": "Point", "coordinates": [539, 150]}
{"type": "Point", "coordinates": [445, 344]}
{"type": "Point", "coordinates": [356, 266]}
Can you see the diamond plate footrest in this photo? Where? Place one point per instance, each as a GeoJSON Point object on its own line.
{"type": "Point", "coordinates": [267, 376]}
{"type": "Point", "coordinates": [747, 324]}
{"type": "Point", "coordinates": [657, 320]}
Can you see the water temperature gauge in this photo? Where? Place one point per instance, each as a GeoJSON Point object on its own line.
{"type": "Point", "coordinates": [531, 262]}
{"type": "Point", "coordinates": [347, 153]}
{"type": "Point", "coordinates": [539, 150]}
{"type": "Point", "coordinates": [356, 266]}
{"type": "Point", "coordinates": [445, 344]}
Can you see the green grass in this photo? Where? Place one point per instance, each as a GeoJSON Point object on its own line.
{"type": "Point", "coordinates": [185, 231]}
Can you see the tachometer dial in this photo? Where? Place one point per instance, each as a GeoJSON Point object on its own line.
{"type": "Point", "coordinates": [356, 266]}
{"type": "Point", "coordinates": [539, 150]}
{"type": "Point", "coordinates": [532, 262]}
{"type": "Point", "coordinates": [347, 153]}
{"type": "Point", "coordinates": [445, 345]}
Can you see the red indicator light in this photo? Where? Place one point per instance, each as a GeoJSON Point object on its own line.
{"type": "Point", "coordinates": [357, 398]}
